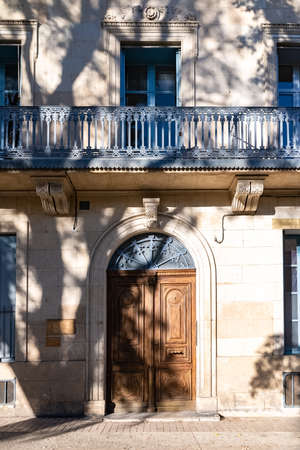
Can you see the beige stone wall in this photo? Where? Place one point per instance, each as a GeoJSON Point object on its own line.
{"type": "Point", "coordinates": [52, 273]}
{"type": "Point", "coordinates": [67, 62]}
{"type": "Point", "coordinates": [230, 59]}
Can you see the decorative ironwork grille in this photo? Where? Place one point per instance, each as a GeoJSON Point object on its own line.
{"type": "Point", "coordinates": [291, 384]}
{"type": "Point", "coordinates": [151, 251]}
{"type": "Point", "coordinates": [7, 392]}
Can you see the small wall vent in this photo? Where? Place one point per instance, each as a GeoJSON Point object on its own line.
{"type": "Point", "coordinates": [84, 205]}
{"type": "Point", "coordinates": [291, 387]}
{"type": "Point", "coordinates": [7, 392]}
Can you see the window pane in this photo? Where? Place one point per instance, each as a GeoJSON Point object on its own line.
{"type": "Point", "coordinates": [136, 100]}
{"type": "Point", "coordinates": [165, 78]}
{"type": "Point", "coordinates": [286, 100]}
{"type": "Point", "coordinates": [290, 279]}
{"type": "Point", "coordinates": [165, 100]}
{"type": "Point", "coordinates": [294, 307]}
{"type": "Point", "coordinates": [136, 78]}
{"type": "Point", "coordinates": [291, 306]}
{"type": "Point", "coordinates": [290, 250]}
{"type": "Point", "coordinates": [9, 77]}
{"type": "Point", "coordinates": [294, 335]}
{"type": "Point", "coordinates": [285, 77]}
{"type": "Point", "coordinates": [7, 295]}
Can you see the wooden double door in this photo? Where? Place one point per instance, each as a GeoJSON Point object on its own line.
{"type": "Point", "coordinates": [151, 340]}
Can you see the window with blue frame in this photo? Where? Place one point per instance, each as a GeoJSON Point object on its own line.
{"type": "Point", "coordinates": [9, 75]}
{"type": "Point", "coordinates": [292, 293]}
{"type": "Point", "coordinates": [150, 76]}
{"type": "Point", "coordinates": [288, 85]}
{"type": "Point", "coordinates": [289, 76]}
{"type": "Point", "coordinates": [7, 297]}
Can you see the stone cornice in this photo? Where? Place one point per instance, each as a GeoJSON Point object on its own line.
{"type": "Point", "coordinates": [144, 24]}
{"type": "Point", "coordinates": [22, 22]}
{"type": "Point", "coordinates": [281, 28]}
{"type": "Point", "coordinates": [149, 15]}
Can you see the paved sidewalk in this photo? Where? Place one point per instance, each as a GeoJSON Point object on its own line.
{"type": "Point", "coordinates": [231, 433]}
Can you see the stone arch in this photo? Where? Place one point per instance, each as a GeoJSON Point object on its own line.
{"type": "Point", "coordinates": [107, 243]}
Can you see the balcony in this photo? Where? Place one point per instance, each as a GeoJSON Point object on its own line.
{"type": "Point", "coordinates": [60, 137]}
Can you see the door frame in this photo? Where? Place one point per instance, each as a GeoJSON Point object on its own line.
{"type": "Point", "coordinates": [166, 275]}
{"type": "Point", "coordinates": [96, 326]}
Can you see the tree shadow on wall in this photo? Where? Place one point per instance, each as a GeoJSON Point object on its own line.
{"type": "Point", "coordinates": [271, 366]}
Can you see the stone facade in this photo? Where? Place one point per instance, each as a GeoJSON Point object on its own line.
{"type": "Point", "coordinates": [71, 55]}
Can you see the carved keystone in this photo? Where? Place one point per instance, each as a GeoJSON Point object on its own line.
{"type": "Point", "coordinates": [55, 194]}
{"type": "Point", "coordinates": [246, 194]}
{"type": "Point", "coordinates": [151, 206]}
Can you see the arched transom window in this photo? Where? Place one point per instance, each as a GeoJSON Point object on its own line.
{"type": "Point", "coordinates": [151, 251]}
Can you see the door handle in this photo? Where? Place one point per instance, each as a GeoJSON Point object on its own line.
{"type": "Point", "coordinates": [176, 353]}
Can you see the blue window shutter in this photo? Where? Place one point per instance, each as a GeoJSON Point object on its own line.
{"type": "Point", "coordinates": [122, 78]}
{"type": "Point", "coordinates": [7, 297]}
{"type": "Point", "coordinates": [178, 76]}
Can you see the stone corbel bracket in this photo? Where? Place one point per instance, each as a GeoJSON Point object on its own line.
{"type": "Point", "coordinates": [55, 194]}
{"type": "Point", "coordinates": [151, 207]}
{"type": "Point", "coordinates": [246, 193]}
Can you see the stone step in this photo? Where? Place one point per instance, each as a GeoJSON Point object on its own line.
{"type": "Point", "coordinates": [181, 416]}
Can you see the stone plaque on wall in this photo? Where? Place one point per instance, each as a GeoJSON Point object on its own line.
{"type": "Point", "coordinates": [58, 327]}
{"type": "Point", "coordinates": [53, 341]}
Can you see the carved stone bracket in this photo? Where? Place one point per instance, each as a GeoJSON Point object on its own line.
{"type": "Point", "coordinates": [151, 206]}
{"type": "Point", "coordinates": [246, 193]}
{"type": "Point", "coordinates": [55, 194]}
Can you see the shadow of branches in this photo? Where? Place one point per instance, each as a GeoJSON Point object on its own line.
{"type": "Point", "coordinates": [271, 365]}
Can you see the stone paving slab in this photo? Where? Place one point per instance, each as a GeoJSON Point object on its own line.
{"type": "Point", "coordinates": [73, 434]}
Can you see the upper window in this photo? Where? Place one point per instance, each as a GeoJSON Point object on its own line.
{"type": "Point", "coordinates": [7, 297]}
{"type": "Point", "coordinates": [289, 76]}
{"type": "Point", "coordinates": [9, 75]}
{"type": "Point", "coordinates": [150, 76]}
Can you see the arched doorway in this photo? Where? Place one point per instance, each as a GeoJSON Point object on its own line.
{"type": "Point", "coordinates": [151, 332]}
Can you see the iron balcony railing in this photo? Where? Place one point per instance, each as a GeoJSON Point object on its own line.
{"type": "Point", "coordinates": [149, 132]}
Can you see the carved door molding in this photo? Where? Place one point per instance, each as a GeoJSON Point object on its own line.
{"type": "Point", "coordinates": [151, 340]}
{"type": "Point", "coordinates": [96, 319]}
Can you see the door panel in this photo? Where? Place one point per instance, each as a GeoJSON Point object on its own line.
{"type": "Point", "coordinates": [128, 323]}
{"type": "Point", "coordinates": [151, 340]}
{"type": "Point", "coordinates": [175, 339]}
{"type": "Point", "coordinates": [127, 379]}
{"type": "Point", "coordinates": [174, 385]}
{"type": "Point", "coordinates": [128, 386]}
